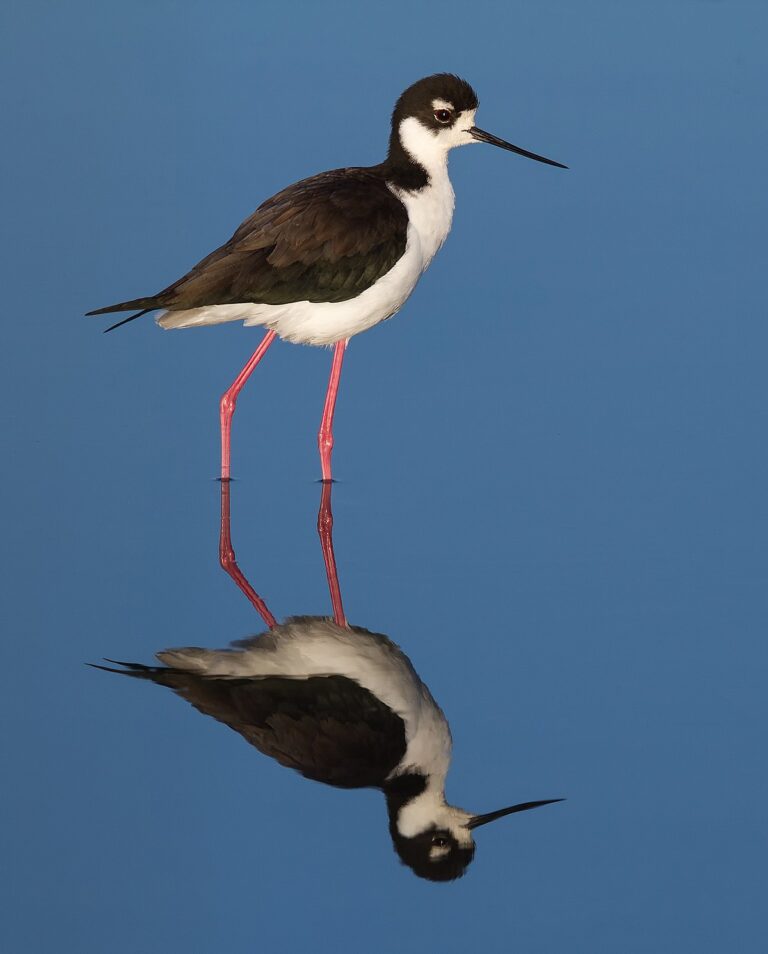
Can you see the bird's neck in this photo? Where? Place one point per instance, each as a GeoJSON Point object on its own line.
{"type": "Point", "coordinates": [403, 172]}
{"type": "Point", "coordinates": [415, 159]}
{"type": "Point", "coordinates": [416, 803]}
{"type": "Point", "coordinates": [411, 796]}
{"type": "Point", "coordinates": [402, 789]}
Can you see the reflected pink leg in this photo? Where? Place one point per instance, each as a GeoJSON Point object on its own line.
{"type": "Point", "coordinates": [229, 400]}
{"type": "Point", "coordinates": [228, 561]}
{"type": "Point", "coordinates": [325, 530]}
{"type": "Point", "coordinates": [325, 434]}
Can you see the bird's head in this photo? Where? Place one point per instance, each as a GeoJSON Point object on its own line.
{"type": "Point", "coordinates": [433, 838]}
{"type": "Point", "coordinates": [435, 841]}
{"type": "Point", "coordinates": [436, 114]}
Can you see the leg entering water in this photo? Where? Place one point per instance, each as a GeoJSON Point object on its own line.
{"type": "Point", "coordinates": [229, 400]}
{"type": "Point", "coordinates": [325, 531]}
{"type": "Point", "coordinates": [228, 560]}
{"type": "Point", "coordinates": [325, 434]}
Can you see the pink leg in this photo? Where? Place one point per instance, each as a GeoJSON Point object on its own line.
{"type": "Point", "coordinates": [229, 400]}
{"type": "Point", "coordinates": [325, 434]}
{"type": "Point", "coordinates": [228, 561]}
{"type": "Point", "coordinates": [325, 530]}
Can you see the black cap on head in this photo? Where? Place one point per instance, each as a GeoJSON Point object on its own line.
{"type": "Point", "coordinates": [417, 99]}
{"type": "Point", "coordinates": [416, 853]}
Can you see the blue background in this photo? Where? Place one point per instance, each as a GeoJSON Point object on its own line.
{"type": "Point", "coordinates": [553, 469]}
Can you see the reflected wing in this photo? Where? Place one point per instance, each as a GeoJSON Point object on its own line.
{"type": "Point", "coordinates": [329, 728]}
{"type": "Point", "coordinates": [326, 238]}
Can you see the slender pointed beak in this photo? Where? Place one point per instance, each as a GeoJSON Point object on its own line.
{"type": "Point", "coordinates": [483, 136]}
{"type": "Point", "coordinates": [479, 820]}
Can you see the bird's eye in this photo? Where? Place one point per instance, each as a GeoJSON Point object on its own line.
{"type": "Point", "coordinates": [439, 842]}
{"type": "Point", "coordinates": [443, 115]}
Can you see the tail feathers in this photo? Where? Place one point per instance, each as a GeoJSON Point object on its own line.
{"type": "Point", "coordinates": [148, 304]}
{"type": "Point", "coordinates": [145, 304]}
{"type": "Point", "coordinates": [126, 320]}
{"type": "Point", "coordinates": [176, 661]}
{"type": "Point", "coordinates": [129, 669]}
{"type": "Point", "coordinates": [160, 675]}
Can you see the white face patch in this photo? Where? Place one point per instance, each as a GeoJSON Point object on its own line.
{"type": "Point", "coordinates": [429, 810]}
{"type": "Point", "coordinates": [430, 147]}
{"type": "Point", "coordinates": [442, 104]}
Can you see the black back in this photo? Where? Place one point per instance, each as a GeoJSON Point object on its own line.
{"type": "Point", "coordinates": [324, 239]}
{"type": "Point", "coordinates": [328, 728]}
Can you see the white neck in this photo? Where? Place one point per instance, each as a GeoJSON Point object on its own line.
{"type": "Point", "coordinates": [430, 209]}
{"type": "Point", "coordinates": [424, 147]}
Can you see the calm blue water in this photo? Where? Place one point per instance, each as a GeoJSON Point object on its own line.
{"type": "Point", "coordinates": [552, 473]}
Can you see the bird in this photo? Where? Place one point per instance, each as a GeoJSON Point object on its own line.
{"type": "Point", "coordinates": [341, 705]}
{"type": "Point", "coordinates": [334, 254]}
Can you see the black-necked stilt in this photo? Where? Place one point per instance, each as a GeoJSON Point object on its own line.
{"type": "Point", "coordinates": [339, 704]}
{"type": "Point", "coordinates": [334, 254]}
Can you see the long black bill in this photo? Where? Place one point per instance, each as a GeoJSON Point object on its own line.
{"type": "Point", "coordinates": [483, 136]}
{"type": "Point", "coordinates": [479, 820]}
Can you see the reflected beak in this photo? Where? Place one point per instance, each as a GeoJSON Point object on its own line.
{"type": "Point", "coordinates": [479, 820]}
{"type": "Point", "coordinates": [481, 136]}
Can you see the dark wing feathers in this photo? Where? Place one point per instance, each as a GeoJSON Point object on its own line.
{"type": "Point", "coordinates": [326, 238]}
{"type": "Point", "coordinates": [329, 728]}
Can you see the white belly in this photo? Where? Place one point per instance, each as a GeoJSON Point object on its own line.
{"type": "Point", "coordinates": [324, 323]}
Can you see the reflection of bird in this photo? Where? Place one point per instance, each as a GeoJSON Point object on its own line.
{"type": "Point", "coordinates": [334, 254]}
{"type": "Point", "coordinates": [342, 706]}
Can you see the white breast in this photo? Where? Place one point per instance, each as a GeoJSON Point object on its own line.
{"type": "Point", "coordinates": [430, 213]}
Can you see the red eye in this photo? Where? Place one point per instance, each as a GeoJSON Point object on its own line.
{"type": "Point", "coordinates": [443, 115]}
